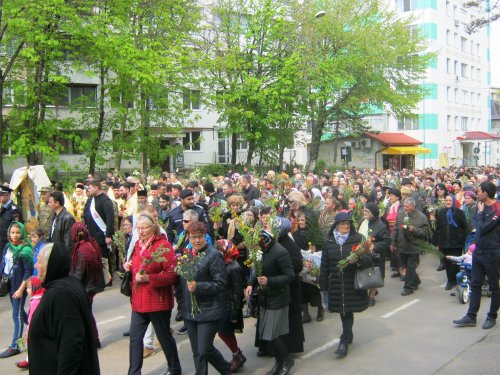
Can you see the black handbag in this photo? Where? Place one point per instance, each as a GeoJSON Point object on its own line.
{"type": "Point", "coordinates": [126, 286]}
{"type": "Point", "coordinates": [4, 285]}
{"type": "Point", "coordinates": [368, 278]}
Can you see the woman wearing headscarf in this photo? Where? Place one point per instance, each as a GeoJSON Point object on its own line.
{"type": "Point", "coordinates": [469, 208]}
{"type": "Point", "coordinates": [342, 297]}
{"type": "Point", "coordinates": [294, 339]}
{"type": "Point", "coordinates": [233, 319]}
{"type": "Point", "coordinates": [393, 208]}
{"type": "Point", "coordinates": [86, 266]}
{"type": "Point", "coordinates": [17, 264]}
{"type": "Point", "coordinates": [60, 336]}
{"type": "Point", "coordinates": [372, 226]}
{"type": "Point", "coordinates": [274, 300]}
{"type": "Point", "coordinates": [451, 232]}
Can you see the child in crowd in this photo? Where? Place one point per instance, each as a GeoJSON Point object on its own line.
{"type": "Point", "coordinates": [464, 260]}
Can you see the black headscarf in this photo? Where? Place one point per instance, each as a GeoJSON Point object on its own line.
{"type": "Point", "coordinates": [58, 265]}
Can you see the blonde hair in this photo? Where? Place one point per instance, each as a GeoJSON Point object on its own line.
{"type": "Point", "coordinates": [144, 217]}
{"type": "Point", "coordinates": [298, 197]}
{"type": "Point", "coordinates": [234, 199]}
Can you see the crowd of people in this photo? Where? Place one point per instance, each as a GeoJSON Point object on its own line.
{"type": "Point", "coordinates": [268, 247]}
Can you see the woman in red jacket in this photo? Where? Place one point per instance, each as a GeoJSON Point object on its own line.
{"type": "Point", "coordinates": [152, 294]}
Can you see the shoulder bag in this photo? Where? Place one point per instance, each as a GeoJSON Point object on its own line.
{"type": "Point", "coordinates": [126, 285]}
{"type": "Point", "coordinates": [368, 278]}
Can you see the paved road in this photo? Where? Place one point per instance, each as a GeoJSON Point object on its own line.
{"type": "Point", "coordinates": [412, 335]}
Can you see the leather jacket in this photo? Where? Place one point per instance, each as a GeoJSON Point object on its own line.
{"type": "Point", "coordinates": [62, 229]}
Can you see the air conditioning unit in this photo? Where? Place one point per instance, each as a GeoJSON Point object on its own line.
{"type": "Point", "coordinates": [366, 143]}
{"type": "Point", "coordinates": [355, 144]}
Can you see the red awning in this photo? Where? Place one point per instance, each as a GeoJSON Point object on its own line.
{"type": "Point", "coordinates": [478, 136]}
{"type": "Point", "coordinates": [394, 139]}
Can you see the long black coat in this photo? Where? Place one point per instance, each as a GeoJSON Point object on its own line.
{"type": "Point", "coordinates": [60, 335]}
{"type": "Point", "coordinates": [381, 242]}
{"type": "Point", "coordinates": [446, 234]}
{"type": "Point", "coordinates": [294, 340]}
{"type": "Point", "coordinates": [277, 266]}
{"type": "Point", "coordinates": [342, 297]}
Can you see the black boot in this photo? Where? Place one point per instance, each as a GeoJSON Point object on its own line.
{"type": "Point", "coordinates": [306, 318]}
{"type": "Point", "coordinates": [287, 365]}
{"type": "Point", "coordinates": [276, 369]}
{"type": "Point", "coordinates": [342, 349]}
{"type": "Point", "coordinates": [321, 313]}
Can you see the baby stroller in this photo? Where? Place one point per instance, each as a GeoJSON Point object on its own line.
{"type": "Point", "coordinates": [464, 282]}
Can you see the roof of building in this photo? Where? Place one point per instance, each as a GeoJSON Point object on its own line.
{"type": "Point", "coordinates": [394, 139]}
{"type": "Point", "coordinates": [478, 136]}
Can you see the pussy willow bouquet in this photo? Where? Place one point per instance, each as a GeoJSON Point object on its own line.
{"type": "Point", "coordinates": [119, 241]}
{"type": "Point", "coordinates": [251, 237]}
{"type": "Point", "coordinates": [155, 256]}
{"type": "Point", "coordinates": [187, 266]}
{"type": "Point", "coordinates": [356, 252]}
{"type": "Point", "coordinates": [215, 211]}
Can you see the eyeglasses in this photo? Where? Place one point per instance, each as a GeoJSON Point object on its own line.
{"type": "Point", "coordinates": [140, 229]}
{"type": "Point", "coordinates": [126, 224]}
{"type": "Point", "coordinates": [186, 221]}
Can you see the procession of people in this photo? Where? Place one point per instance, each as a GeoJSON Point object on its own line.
{"type": "Point", "coordinates": [225, 248]}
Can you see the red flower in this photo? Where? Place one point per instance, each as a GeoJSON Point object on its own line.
{"type": "Point", "coordinates": [354, 248]}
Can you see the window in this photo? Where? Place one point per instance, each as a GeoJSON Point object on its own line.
{"type": "Point", "coordinates": [464, 71]}
{"type": "Point", "coordinates": [449, 40]}
{"type": "Point", "coordinates": [192, 141]}
{"type": "Point", "coordinates": [449, 94]}
{"type": "Point", "coordinates": [464, 123]}
{"type": "Point", "coordinates": [463, 44]}
{"type": "Point", "coordinates": [466, 96]}
{"type": "Point", "coordinates": [241, 143]}
{"type": "Point", "coordinates": [406, 5]}
{"type": "Point", "coordinates": [448, 8]}
{"type": "Point", "coordinates": [449, 125]}
{"type": "Point", "coordinates": [191, 99]}
{"type": "Point", "coordinates": [72, 142]}
{"type": "Point", "coordinates": [456, 97]}
{"type": "Point", "coordinates": [407, 123]}
{"type": "Point", "coordinates": [472, 48]}
{"type": "Point", "coordinates": [478, 49]}
{"type": "Point", "coordinates": [457, 123]}
{"type": "Point", "coordinates": [478, 74]}
{"type": "Point", "coordinates": [83, 95]}
{"type": "Point", "coordinates": [456, 68]}
{"type": "Point", "coordinates": [13, 92]}
{"type": "Point", "coordinates": [449, 67]}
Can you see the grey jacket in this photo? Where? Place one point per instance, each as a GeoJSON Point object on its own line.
{"type": "Point", "coordinates": [403, 238]}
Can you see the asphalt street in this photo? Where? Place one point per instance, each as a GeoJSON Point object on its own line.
{"type": "Point", "coordinates": [411, 335]}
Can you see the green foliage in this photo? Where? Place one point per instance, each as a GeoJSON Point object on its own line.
{"type": "Point", "coordinates": [319, 167]}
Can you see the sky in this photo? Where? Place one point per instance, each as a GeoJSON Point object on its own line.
{"type": "Point", "coordinates": [495, 54]}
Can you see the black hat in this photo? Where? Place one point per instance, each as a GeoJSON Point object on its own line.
{"type": "Point", "coordinates": [341, 216]}
{"type": "Point", "coordinates": [209, 187]}
{"type": "Point", "coordinates": [405, 181]}
{"type": "Point", "coordinates": [80, 186]}
{"type": "Point", "coordinates": [186, 193]}
{"type": "Point", "coordinates": [116, 185]}
{"type": "Point", "coordinates": [154, 186]}
{"type": "Point", "coordinates": [458, 182]}
{"type": "Point", "coordinates": [5, 190]}
{"type": "Point", "coordinates": [142, 193]}
{"type": "Point", "coordinates": [373, 208]}
{"type": "Point", "coordinates": [396, 192]}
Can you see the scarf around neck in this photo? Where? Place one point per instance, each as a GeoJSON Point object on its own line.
{"type": "Point", "coordinates": [340, 238]}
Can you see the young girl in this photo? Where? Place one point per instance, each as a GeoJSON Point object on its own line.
{"type": "Point", "coordinates": [17, 263]}
{"type": "Point", "coordinates": [35, 290]}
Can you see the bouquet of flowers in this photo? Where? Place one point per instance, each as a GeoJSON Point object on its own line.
{"type": "Point", "coordinates": [406, 228]}
{"type": "Point", "coordinates": [310, 271]}
{"type": "Point", "coordinates": [187, 266]}
{"type": "Point", "coordinates": [356, 252]}
{"type": "Point", "coordinates": [215, 212]}
{"type": "Point", "coordinates": [155, 256]}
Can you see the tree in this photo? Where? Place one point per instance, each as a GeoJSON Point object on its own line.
{"type": "Point", "coordinates": [486, 11]}
{"type": "Point", "coordinates": [246, 48]}
{"type": "Point", "coordinates": [358, 55]}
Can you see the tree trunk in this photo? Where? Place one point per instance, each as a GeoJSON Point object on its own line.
{"type": "Point", "coordinates": [145, 133]}
{"type": "Point", "coordinates": [251, 149]}
{"type": "Point", "coordinates": [234, 148]}
{"type": "Point", "coordinates": [123, 125]}
{"type": "Point", "coordinates": [35, 157]}
{"type": "Point", "coordinates": [1, 126]}
{"type": "Point", "coordinates": [281, 155]}
{"type": "Point", "coordinates": [100, 123]}
{"type": "Point", "coordinates": [317, 132]}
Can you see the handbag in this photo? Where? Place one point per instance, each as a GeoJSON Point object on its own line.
{"type": "Point", "coordinates": [126, 285]}
{"type": "Point", "coordinates": [4, 285]}
{"type": "Point", "coordinates": [368, 278]}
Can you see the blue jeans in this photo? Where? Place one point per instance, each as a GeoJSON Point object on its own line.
{"type": "Point", "coordinates": [19, 317]}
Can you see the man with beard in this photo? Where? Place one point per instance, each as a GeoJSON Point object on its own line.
{"type": "Point", "coordinates": [247, 189]}
{"type": "Point", "coordinates": [142, 199]}
{"type": "Point", "coordinates": [175, 221]}
{"type": "Point", "coordinates": [129, 205]}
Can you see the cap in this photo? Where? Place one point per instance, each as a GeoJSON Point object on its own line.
{"type": "Point", "coordinates": [80, 186]}
{"type": "Point", "coordinates": [142, 193]}
{"type": "Point", "coordinates": [186, 193]}
{"type": "Point", "coordinates": [5, 190]}
{"type": "Point", "coordinates": [46, 189]}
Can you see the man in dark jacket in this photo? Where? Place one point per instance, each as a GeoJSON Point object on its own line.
{"type": "Point", "coordinates": [411, 225]}
{"type": "Point", "coordinates": [486, 257]}
{"type": "Point", "coordinates": [212, 195]}
{"type": "Point", "coordinates": [99, 217]}
{"type": "Point", "coordinates": [60, 335]}
{"type": "Point", "coordinates": [8, 213]}
{"type": "Point", "coordinates": [247, 189]}
{"type": "Point", "coordinates": [62, 221]}
{"type": "Point", "coordinates": [175, 220]}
